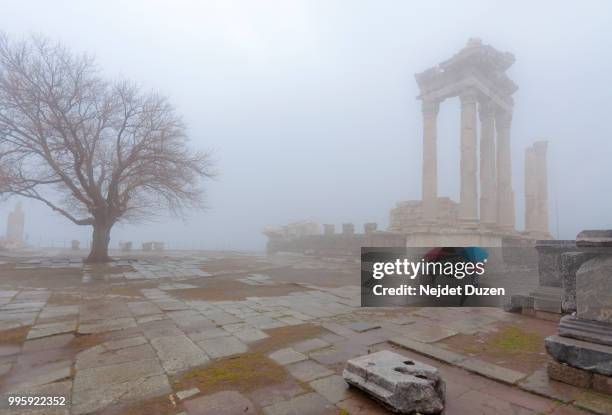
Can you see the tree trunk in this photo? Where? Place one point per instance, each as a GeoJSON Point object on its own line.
{"type": "Point", "coordinates": [99, 243]}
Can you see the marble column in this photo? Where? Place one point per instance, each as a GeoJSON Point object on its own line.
{"type": "Point", "coordinates": [541, 174]}
{"type": "Point", "coordinates": [505, 194]}
{"type": "Point", "coordinates": [468, 202]}
{"type": "Point", "coordinates": [488, 184]}
{"type": "Point", "coordinates": [530, 191]}
{"type": "Point", "coordinates": [430, 160]}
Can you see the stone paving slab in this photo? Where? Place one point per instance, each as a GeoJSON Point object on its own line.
{"type": "Point", "coordinates": [308, 370]}
{"type": "Point", "coordinates": [219, 347]}
{"type": "Point", "coordinates": [310, 345]}
{"type": "Point", "coordinates": [178, 353]}
{"type": "Point", "coordinates": [50, 329]}
{"type": "Point", "coordinates": [308, 404]}
{"type": "Point", "coordinates": [221, 403]}
{"type": "Point", "coordinates": [286, 356]}
{"type": "Point", "coordinates": [103, 326]}
{"type": "Point", "coordinates": [333, 388]}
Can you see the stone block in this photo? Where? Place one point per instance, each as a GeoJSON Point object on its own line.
{"type": "Point", "coordinates": [570, 263]}
{"type": "Point", "coordinates": [403, 385]}
{"type": "Point", "coordinates": [594, 238]}
{"type": "Point", "coordinates": [518, 302]}
{"type": "Point", "coordinates": [567, 374]}
{"type": "Point", "coordinates": [587, 330]}
{"type": "Point", "coordinates": [602, 383]}
{"type": "Point", "coordinates": [580, 354]}
{"type": "Point", "coordinates": [594, 289]}
{"type": "Point", "coordinates": [549, 260]}
{"type": "Point", "coordinates": [548, 299]}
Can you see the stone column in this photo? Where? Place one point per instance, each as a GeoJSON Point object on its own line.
{"type": "Point", "coordinates": [505, 194]}
{"type": "Point", "coordinates": [530, 191]}
{"type": "Point", "coordinates": [430, 160]}
{"type": "Point", "coordinates": [536, 191]}
{"type": "Point", "coordinates": [468, 203]}
{"type": "Point", "coordinates": [488, 185]}
{"type": "Point", "coordinates": [541, 174]}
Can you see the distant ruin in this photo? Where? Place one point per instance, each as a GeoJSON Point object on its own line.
{"type": "Point", "coordinates": [485, 212]}
{"type": "Point", "coordinates": [14, 229]}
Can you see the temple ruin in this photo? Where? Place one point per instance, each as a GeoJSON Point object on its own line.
{"type": "Point", "coordinates": [14, 229]}
{"type": "Point", "coordinates": [485, 212]}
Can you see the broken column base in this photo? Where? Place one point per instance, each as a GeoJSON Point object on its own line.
{"type": "Point", "coordinates": [403, 385]}
{"type": "Point", "coordinates": [580, 363]}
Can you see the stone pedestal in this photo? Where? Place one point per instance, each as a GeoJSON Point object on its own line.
{"type": "Point", "coordinates": [585, 339]}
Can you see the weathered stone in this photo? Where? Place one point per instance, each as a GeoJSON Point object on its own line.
{"type": "Point", "coordinates": [583, 355]}
{"type": "Point", "coordinates": [50, 329]}
{"type": "Point", "coordinates": [570, 263]}
{"type": "Point", "coordinates": [220, 403]}
{"type": "Point", "coordinates": [596, 238]}
{"type": "Point", "coordinates": [308, 370]}
{"type": "Point", "coordinates": [333, 388]}
{"type": "Point", "coordinates": [405, 386]}
{"type": "Point", "coordinates": [187, 393]}
{"type": "Point", "coordinates": [518, 302]}
{"type": "Point", "coordinates": [602, 383]}
{"type": "Point", "coordinates": [594, 289]}
{"type": "Point", "coordinates": [310, 345]}
{"type": "Point", "coordinates": [222, 346]}
{"type": "Point", "coordinates": [568, 374]}
{"type": "Point", "coordinates": [587, 330]}
{"type": "Point", "coordinates": [362, 326]}
{"type": "Point", "coordinates": [548, 299]}
{"type": "Point", "coordinates": [549, 260]}
{"type": "Point", "coordinates": [178, 353]}
{"type": "Point", "coordinates": [308, 404]}
{"type": "Point", "coordinates": [492, 371]}
{"type": "Point", "coordinates": [286, 356]}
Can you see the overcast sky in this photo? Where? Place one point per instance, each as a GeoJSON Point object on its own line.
{"type": "Point", "coordinates": [311, 110]}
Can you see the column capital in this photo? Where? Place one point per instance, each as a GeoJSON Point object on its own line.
{"type": "Point", "coordinates": [468, 97]}
{"type": "Point", "coordinates": [430, 107]}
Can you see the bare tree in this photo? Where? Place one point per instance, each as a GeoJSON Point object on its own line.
{"type": "Point", "coordinates": [95, 151]}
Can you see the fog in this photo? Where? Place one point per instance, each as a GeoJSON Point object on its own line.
{"type": "Point", "coordinates": [311, 110]}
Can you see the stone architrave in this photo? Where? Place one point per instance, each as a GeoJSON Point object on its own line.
{"type": "Point", "coordinates": [505, 194]}
{"type": "Point", "coordinates": [488, 185]}
{"type": "Point", "coordinates": [468, 203]}
{"type": "Point", "coordinates": [430, 159]}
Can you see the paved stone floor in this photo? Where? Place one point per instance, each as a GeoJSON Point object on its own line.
{"type": "Point", "coordinates": [229, 333]}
